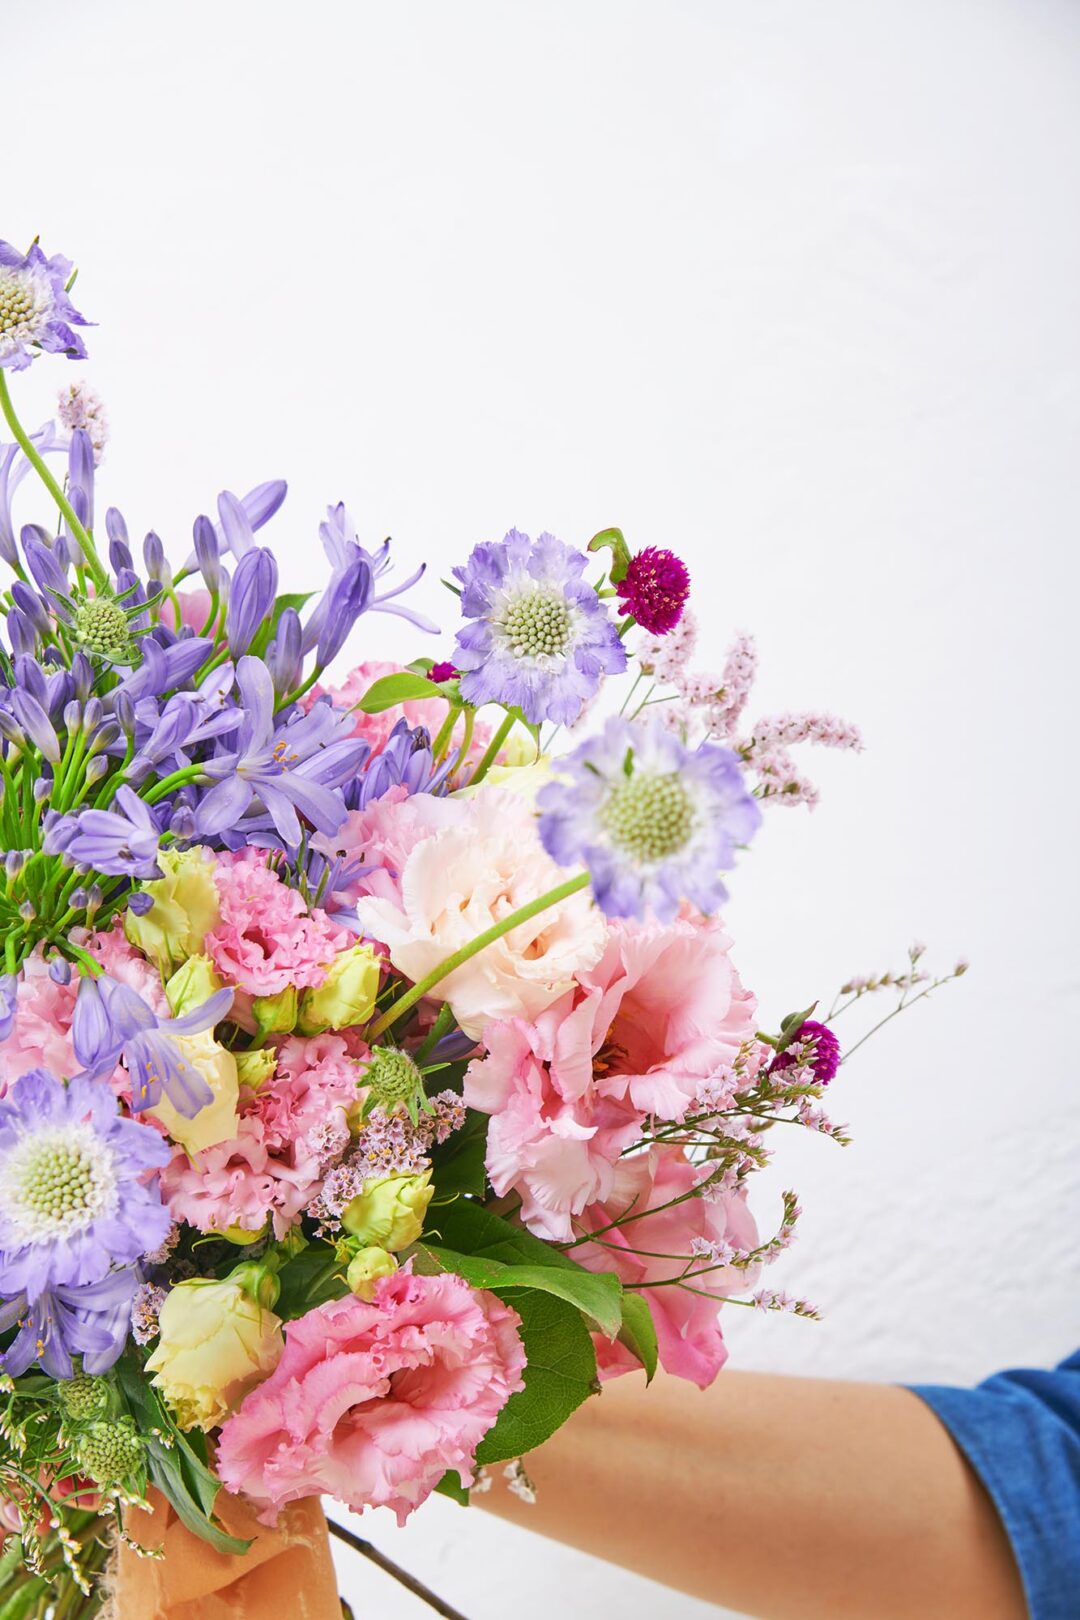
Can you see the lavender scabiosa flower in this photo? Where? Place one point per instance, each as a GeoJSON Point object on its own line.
{"type": "Point", "coordinates": [540, 638]}
{"type": "Point", "coordinates": [72, 1201]}
{"type": "Point", "coordinates": [654, 590]}
{"type": "Point", "coordinates": [35, 310]}
{"type": "Point", "coordinates": [654, 822]}
{"type": "Point", "coordinates": [92, 1321]}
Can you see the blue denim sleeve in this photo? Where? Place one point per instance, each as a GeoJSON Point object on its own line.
{"type": "Point", "coordinates": [1020, 1431]}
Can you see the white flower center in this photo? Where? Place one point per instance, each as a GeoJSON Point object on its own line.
{"type": "Point", "coordinates": [57, 1181]}
{"type": "Point", "coordinates": [537, 622]}
{"type": "Point", "coordinates": [24, 302]}
{"type": "Point", "coordinates": [650, 815]}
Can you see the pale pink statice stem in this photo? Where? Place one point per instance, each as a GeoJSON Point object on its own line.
{"type": "Point", "coordinates": [79, 406]}
{"type": "Point", "coordinates": [809, 726]}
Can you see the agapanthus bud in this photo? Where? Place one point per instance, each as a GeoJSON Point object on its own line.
{"type": "Point", "coordinates": [29, 602]}
{"type": "Point", "coordinates": [60, 970]}
{"type": "Point", "coordinates": [42, 789]}
{"type": "Point", "coordinates": [14, 861]}
{"type": "Point", "coordinates": [207, 552]}
{"type": "Point", "coordinates": [73, 714]}
{"type": "Point", "coordinates": [96, 767]}
{"type": "Point", "coordinates": [154, 557]}
{"type": "Point", "coordinates": [21, 633]}
{"type": "Point", "coordinates": [11, 731]}
{"type": "Point", "coordinates": [284, 656]}
{"type": "Point", "coordinates": [125, 713]}
{"type": "Point", "coordinates": [346, 598]}
{"type": "Point", "coordinates": [251, 597]}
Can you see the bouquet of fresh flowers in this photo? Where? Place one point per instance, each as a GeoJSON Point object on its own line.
{"type": "Point", "coordinates": [374, 1077]}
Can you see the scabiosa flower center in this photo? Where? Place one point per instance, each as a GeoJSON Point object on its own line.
{"type": "Point", "coordinates": [537, 623]}
{"type": "Point", "coordinates": [21, 308]}
{"type": "Point", "coordinates": [650, 815]}
{"type": "Point", "coordinates": [101, 625]}
{"type": "Point", "coordinates": [57, 1182]}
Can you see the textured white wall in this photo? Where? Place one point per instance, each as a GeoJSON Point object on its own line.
{"type": "Point", "coordinates": [791, 288]}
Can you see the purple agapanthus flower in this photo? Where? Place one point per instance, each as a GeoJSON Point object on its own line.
{"type": "Point", "coordinates": [287, 769]}
{"type": "Point", "coordinates": [111, 1022]}
{"type": "Point", "coordinates": [540, 638]}
{"type": "Point", "coordinates": [654, 822]}
{"type": "Point", "coordinates": [13, 469]}
{"type": "Point", "coordinates": [122, 842]}
{"type": "Point", "coordinates": [351, 591]}
{"type": "Point", "coordinates": [72, 1203]}
{"type": "Point", "coordinates": [92, 1321]}
{"type": "Point", "coordinates": [35, 310]}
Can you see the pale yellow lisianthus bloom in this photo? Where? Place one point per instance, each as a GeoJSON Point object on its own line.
{"type": "Point", "coordinates": [389, 1212]}
{"type": "Point", "coordinates": [184, 911]}
{"type": "Point", "coordinates": [216, 1343]}
{"type": "Point", "coordinates": [524, 780]}
{"type": "Point", "coordinates": [346, 996]}
{"type": "Point", "coordinates": [192, 984]}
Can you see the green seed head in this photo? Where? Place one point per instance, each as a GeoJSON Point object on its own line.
{"type": "Point", "coordinates": [101, 626]}
{"type": "Point", "coordinates": [83, 1397]}
{"type": "Point", "coordinates": [110, 1452]}
{"type": "Point", "coordinates": [537, 622]}
{"type": "Point", "coordinates": [650, 815]}
{"type": "Point", "coordinates": [394, 1078]}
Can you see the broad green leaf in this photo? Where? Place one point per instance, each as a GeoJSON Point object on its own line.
{"type": "Point", "coordinates": [597, 1294]}
{"type": "Point", "coordinates": [450, 1485]}
{"type": "Point", "coordinates": [459, 1162]}
{"type": "Point", "coordinates": [638, 1333]}
{"type": "Point", "coordinates": [560, 1375]}
{"type": "Point", "coordinates": [394, 689]}
{"type": "Point", "coordinates": [309, 1279]}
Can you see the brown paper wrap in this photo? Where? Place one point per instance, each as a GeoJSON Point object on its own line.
{"type": "Point", "coordinates": [286, 1575]}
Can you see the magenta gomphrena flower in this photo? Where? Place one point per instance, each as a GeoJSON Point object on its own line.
{"type": "Point", "coordinates": [820, 1051]}
{"type": "Point", "coordinates": [654, 590]}
{"type": "Point", "coordinates": [35, 311]}
{"type": "Point", "coordinates": [443, 672]}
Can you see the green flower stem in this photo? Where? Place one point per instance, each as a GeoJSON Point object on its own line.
{"type": "Point", "coordinates": [409, 999]}
{"type": "Point", "coordinates": [491, 753]}
{"type": "Point", "coordinates": [300, 691]}
{"type": "Point", "coordinates": [190, 773]}
{"type": "Point", "coordinates": [86, 544]}
{"type": "Point", "coordinates": [439, 1028]}
{"type": "Point", "coordinates": [445, 732]}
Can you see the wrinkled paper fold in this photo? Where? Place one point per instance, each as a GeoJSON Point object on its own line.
{"type": "Point", "coordinates": [287, 1574]}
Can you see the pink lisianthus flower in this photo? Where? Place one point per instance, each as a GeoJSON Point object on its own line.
{"type": "Point", "coordinates": [689, 1339]}
{"type": "Point", "coordinates": [194, 609]}
{"type": "Point", "coordinates": [557, 1147]}
{"type": "Point", "coordinates": [381, 838]}
{"type": "Point", "coordinates": [458, 883]}
{"type": "Point", "coordinates": [670, 1016]}
{"type": "Point", "coordinates": [375, 729]}
{"type": "Point", "coordinates": [122, 961]}
{"type": "Point", "coordinates": [41, 1034]}
{"type": "Point", "coordinates": [266, 938]}
{"type": "Point", "coordinates": [373, 1403]}
{"type": "Point", "coordinates": [291, 1131]}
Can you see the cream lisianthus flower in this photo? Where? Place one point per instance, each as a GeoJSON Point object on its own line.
{"type": "Point", "coordinates": [216, 1343]}
{"type": "Point", "coordinates": [389, 1211]}
{"type": "Point", "coordinates": [456, 885]}
{"type": "Point", "coordinates": [219, 1120]}
{"type": "Point", "coordinates": [184, 911]}
{"type": "Point", "coordinates": [525, 780]}
{"type": "Point", "coordinates": [347, 994]}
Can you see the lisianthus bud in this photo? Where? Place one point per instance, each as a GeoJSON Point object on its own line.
{"type": "Point", "coordinates": [192, 984]}
{"type": "Point", "coordinates": [366, 1267]}
{"type": "Point", "coordinates": [216, 1343]}
{"type": "Point", "coordinates": [255, 1068]}
{"type": "Point", "coordinates": [184, 911]}
{"type": "Point", "coordinates": [242, 1236]}
{"type": "Point", "coordinates": [390, 1211]}
{"type": "Point", "coordinates": [110, 1451]}
{"type": "Point", "coordinates": [218, 1121]}
{"type": "Point", "coordinates": [347, 994]}
{"type": "Point", "coordinates": [276, 1015]}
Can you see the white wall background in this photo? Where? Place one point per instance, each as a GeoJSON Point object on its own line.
{"type": "Point", "coordinates": [791, 288]}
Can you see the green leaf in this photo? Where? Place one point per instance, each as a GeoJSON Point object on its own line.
{"type": "Point", "coordinates": [597, 1295]}
{"type": "Point", "coordinates": [450, 1485]}
{"type": "Point", "coordinates": [309, 1279]}
{"type": "Point", "coordinates": [458, 1164]}
{"type": "Point", "coordinates": [473, 1231]}
{"type": "Point", "coordinates": [639, 1333]}
{"type": "Point", "coordinates": [560, 1375]}
{"type": "Point", "coordinates": [620, 551]}
{"type": "Point", "coordinates": [394, 689]}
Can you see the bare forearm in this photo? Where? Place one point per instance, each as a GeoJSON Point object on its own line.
{"type": "Point", "coordinates": [785, 1498]}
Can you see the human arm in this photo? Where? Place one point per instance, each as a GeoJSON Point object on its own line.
{"type": "Point", "coordinates": [785, 1498]}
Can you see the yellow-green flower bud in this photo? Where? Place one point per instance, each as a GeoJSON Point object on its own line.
{"type": "Point", "coordinates": [347, 994]}
{"type": "Point", "coordinates": [192, 984]}
{"type": "Point", "coordinates": [365, 1269]}
{"type": "Point", "coordinates": [184, 911]}
{"type": "Point", "coordinates": [216, 1343]}
{"type": "Point", "coordinates": [276, 1015]}
{"type": "Point", "coordinates": [255, 1068]}
{"type": "Point", "coordinates": [241, 1236]}
{"type": "Point", "coordinates": [390, 1211]}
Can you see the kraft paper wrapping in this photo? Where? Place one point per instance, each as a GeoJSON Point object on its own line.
{"type": "Point", "coordinates": [286, 1575]}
